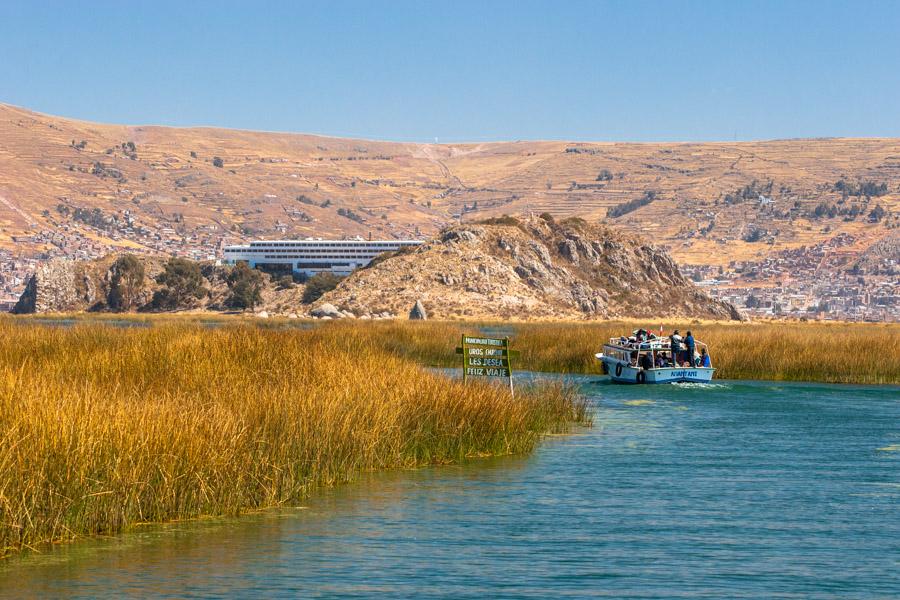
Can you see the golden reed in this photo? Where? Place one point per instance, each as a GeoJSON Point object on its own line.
{"type": "Point", "coordinates": [102, 428]}
{"type": "Point", "coordinates": [866, 353]}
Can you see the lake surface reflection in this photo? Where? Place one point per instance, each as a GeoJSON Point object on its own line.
{"type": "Point", "coordinates": [732, 490]}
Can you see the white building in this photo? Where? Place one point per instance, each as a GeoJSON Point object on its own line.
{"type": "Point", "coordinates": [313, 256]}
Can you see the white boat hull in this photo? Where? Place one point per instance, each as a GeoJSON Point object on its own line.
{"type": "Point", "coordinates": [621, 372]}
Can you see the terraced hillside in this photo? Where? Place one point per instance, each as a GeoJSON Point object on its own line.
{"type": "Point", "coordinates": [75, 188]}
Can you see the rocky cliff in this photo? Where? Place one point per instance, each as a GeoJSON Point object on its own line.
{"type": "Point", "coordinates": [531, 269]}
{"type": "Point", "coordinates": [63, 285]}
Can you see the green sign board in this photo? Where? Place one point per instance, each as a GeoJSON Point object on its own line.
{"type": "Point", "coordinates": [486, 357]}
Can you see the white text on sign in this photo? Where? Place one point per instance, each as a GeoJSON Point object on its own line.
{"type": "Point", "coordinates": [487, 372]}
{"type": "Point", "coordinates": [483, 341]}
{"type": "Point", "coordinates": [487, 362]}
{"type": "Point", "coordinates": [484, 352]}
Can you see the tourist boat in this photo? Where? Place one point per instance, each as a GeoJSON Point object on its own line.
{"type": "Point", "coordinates": [621, 359]}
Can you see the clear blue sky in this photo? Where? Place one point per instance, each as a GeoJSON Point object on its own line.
{"type": "Point", "coordinates": [464, 70]}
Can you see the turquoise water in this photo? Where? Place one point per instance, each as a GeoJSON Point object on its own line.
{"type": "Point", "coordinates": [735, 490]}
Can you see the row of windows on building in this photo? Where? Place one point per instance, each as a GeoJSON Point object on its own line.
{"type": "Point", "coordinates": [378, 245]}
{"type": "Point", "coordinates": [286, 256]}
{"type": "Point", "coordinates": [338, 252]}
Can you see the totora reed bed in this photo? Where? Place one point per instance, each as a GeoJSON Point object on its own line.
{"type": "Point", "coordinates": [103, 428]}
{"type": "Point", "coordinates": [867, 353]}
{"type": "Point", "coordinates": [827, 352]}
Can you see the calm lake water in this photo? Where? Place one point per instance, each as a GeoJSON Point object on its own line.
{"type": "Point", "coordinates": [754, 490]}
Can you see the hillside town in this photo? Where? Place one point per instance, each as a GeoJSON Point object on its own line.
{"type": "Point", "coordinates": [821, 282]}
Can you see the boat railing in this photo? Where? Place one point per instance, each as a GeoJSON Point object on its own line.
{"type": "Point", "coordinates": [659, 343]}
{"type": "Point", "coordinates": [626, 349]}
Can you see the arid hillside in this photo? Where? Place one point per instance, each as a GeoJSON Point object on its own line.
{"type": "Point", "coordinates": [67, 184]}
{"type": "Point", "coordinates": [776, 226]}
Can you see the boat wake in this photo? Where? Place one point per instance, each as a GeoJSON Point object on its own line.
{"type": "Point", "coordinates": [701, 386]}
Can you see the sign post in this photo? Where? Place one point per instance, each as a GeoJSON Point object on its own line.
{"type": "Point", "coordinates": [486, 357]}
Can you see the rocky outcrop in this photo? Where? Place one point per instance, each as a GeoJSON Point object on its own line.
{"type": "Point", "coordinates": [76, 286]}
{"type": "Point", "coordinates": [417, 313]}
{"type": "Point", "coordinates": [536, 268]}
{"type": "Point", "coordinates": [60, 285]}
{"type": "Point", "coordinates": [326, 310]}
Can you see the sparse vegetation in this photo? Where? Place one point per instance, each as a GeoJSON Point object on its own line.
{"type": "Point", "coordinates": [285, 282]}
{"type": "Point", "coordinates": [318, 285]}
{"type": "Point", "coordinates": [129, 150]}
{"type": "Point", "coordinates": [218, 162]}
{"type": "Point", "coordinates": [101, 170]}
{"type": "Point", "coordinates": [93, 217]}
{"type": "Point", "coordinates": [824, 210]}
{"type": "Point", "coordinates": [632, 205]}
{"type": "Point", "coordinates": [861, 188]}
{"type": "Point", "coordinates": [580, 150]}
{"type": "Point", "coordinates": [751, 191]}
{"type": "Point", "coordinates": [501, 220]}
{"type": "Point", "coordinates": [605, 175]}
{"type": "Point", "coordinates": [126, 284]}
{"type": "Point", "coordinates": [349, 214]}
{"type": "Point", "coordinates": [245, 287]}
{"type": "Point", "coordinates": [877, 214]}
{"type": "Point", "coordinates": [182, 283]}
{"type": "Point", "coordinates": [753, 234]}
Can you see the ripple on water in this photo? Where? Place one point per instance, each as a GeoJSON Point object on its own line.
{"type": "Point", "coordinates": [701, 386]}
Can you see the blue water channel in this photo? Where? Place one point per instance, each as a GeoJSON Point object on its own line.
{"type": "Point", "coordinates": [734, 490]}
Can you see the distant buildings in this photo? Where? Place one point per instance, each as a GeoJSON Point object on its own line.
{"type": "Point", "coordinates": [815, 282]}
{"type": "Point", "coordinates": [309, 257]}
{"type": "Point", "coordinates": [821, 281]}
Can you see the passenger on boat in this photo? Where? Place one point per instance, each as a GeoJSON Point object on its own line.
{"type": "Point", "coordinates": [704, 358]}
{"type": "Point", "coordinates": [646, 361]}
{"type": "Point", "coordinates": [691, 346]}
{"type": "Point", "coordinates": [660, 360]}
{"type": "Point", "coordinates": [675, 345]}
